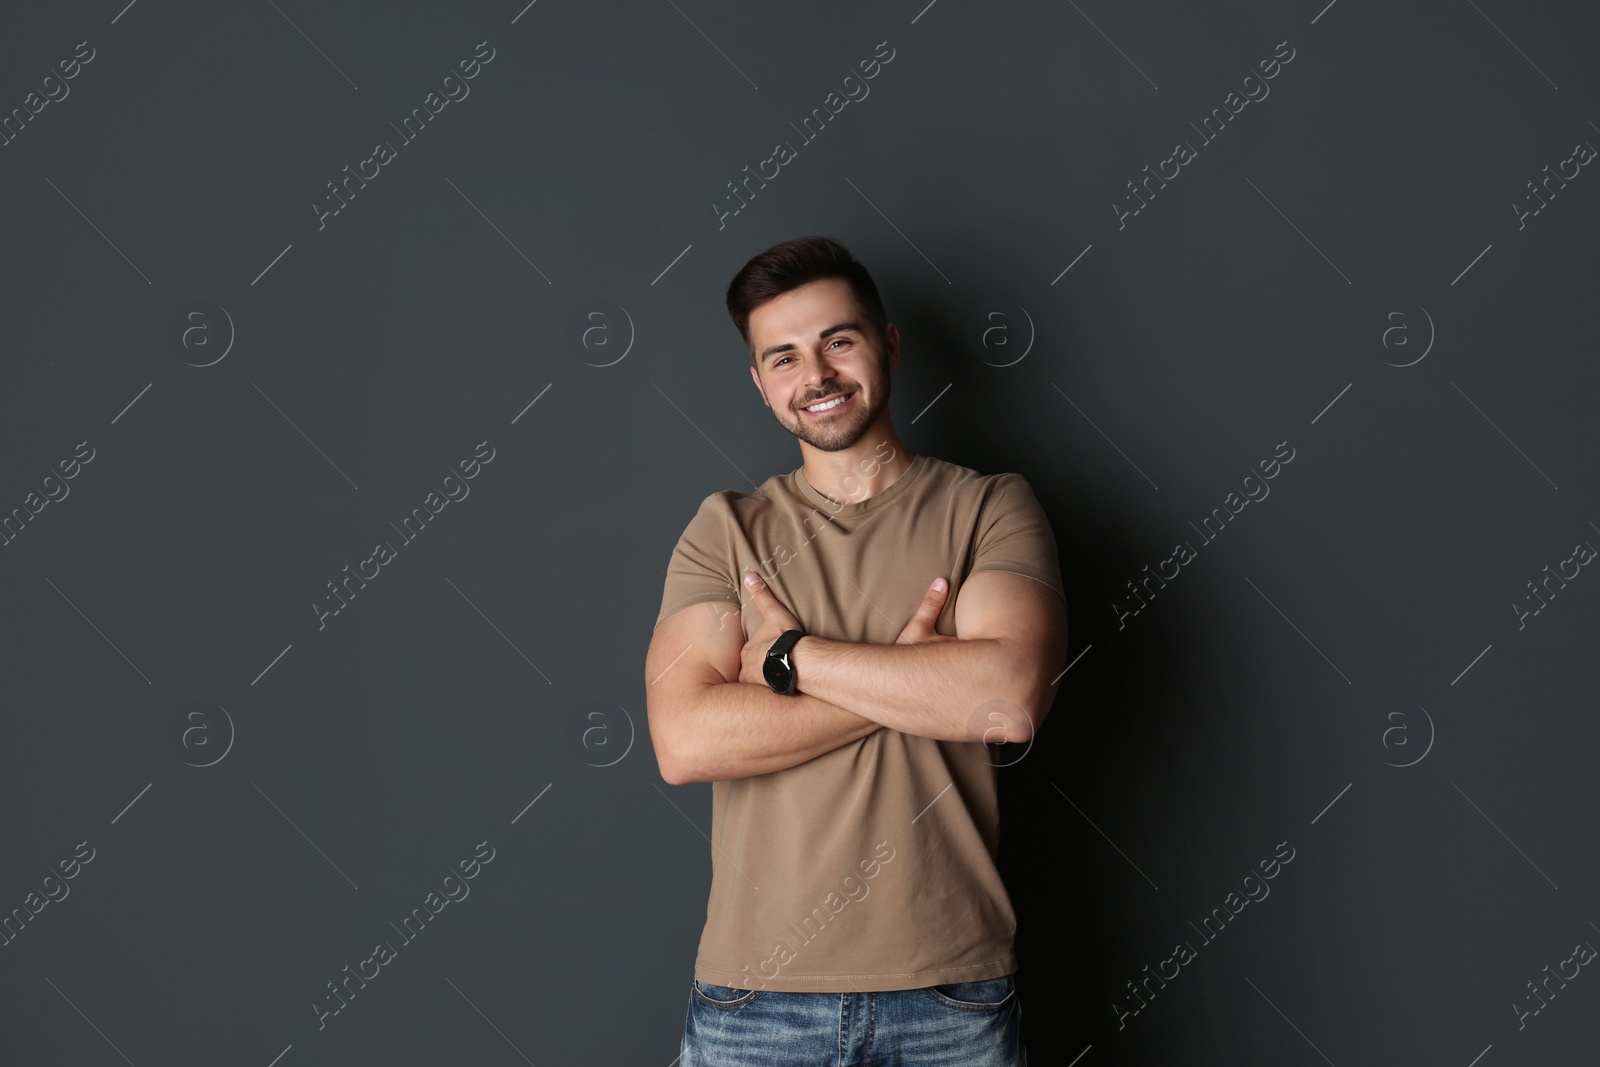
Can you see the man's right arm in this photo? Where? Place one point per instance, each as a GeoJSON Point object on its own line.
{"type": "Point", "coordinates": [707, 725]}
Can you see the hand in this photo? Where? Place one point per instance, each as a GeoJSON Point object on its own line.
{"type": "Point", "coordinates": [775, 619]}
{"type": "Point", "coordinates": [920, 631]}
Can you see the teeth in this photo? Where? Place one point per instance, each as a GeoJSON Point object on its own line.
{"type": "Point", "coordinates": [830, 404]}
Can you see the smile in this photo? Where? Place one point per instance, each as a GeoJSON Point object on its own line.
{"type": "Point", "coordinates": [829, 405]}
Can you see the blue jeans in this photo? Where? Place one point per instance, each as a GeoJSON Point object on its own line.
{"type": "Point", "coordinates": [965, 1024]}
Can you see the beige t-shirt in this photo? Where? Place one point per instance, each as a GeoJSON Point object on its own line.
{"type": "Point", "coordinates": [870, 867]}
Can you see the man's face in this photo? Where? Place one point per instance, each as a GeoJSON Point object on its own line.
{"type": "Point", "coordinates": [815, 344]}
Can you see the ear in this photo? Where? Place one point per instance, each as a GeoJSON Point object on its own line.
{"type": "Point", "coordinates": [891, 342]}
{"type": "Point", "coordinates": [754, 377]}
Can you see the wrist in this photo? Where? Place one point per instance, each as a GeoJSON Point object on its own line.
{"type": "Point", "coordinates": [803, 658]}
{"type": "Point", "coordinates": [778, 668]}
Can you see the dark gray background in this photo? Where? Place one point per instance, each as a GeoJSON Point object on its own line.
{"type": "Point", "coordinates": [1360, 616]}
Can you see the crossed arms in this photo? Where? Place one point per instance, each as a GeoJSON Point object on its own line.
{"type": "Point", "coordinates": [713, 717]}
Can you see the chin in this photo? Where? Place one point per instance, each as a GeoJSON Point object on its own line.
{"type": "Point", "coordinates": [837, 444]}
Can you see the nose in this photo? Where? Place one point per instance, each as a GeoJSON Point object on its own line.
{"type": "Point", "coordinates": [814, 375]}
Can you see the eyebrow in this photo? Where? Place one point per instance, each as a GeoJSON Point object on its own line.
{"type": "Point", "coordinates": [789, 347]}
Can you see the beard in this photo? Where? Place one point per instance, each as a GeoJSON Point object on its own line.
{"type": "Point", "coordinates": [840, 431]}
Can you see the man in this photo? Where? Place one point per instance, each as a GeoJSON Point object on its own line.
{"type": "Point", "coordinates": [835, 652]}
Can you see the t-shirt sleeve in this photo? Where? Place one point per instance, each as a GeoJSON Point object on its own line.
{"type": "Point", "coordinates": [1014, 534]}
{"type": "Point", "coordinates": [703, 562]}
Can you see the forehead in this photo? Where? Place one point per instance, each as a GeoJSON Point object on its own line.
{"type": "Point", "coordinates": [803, 311]}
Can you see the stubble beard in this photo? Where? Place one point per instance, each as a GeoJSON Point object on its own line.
{"type": "Point", "coordinates": [836, 436]}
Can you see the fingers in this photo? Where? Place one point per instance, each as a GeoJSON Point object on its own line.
{"type": "Point", "coordinates": [933, 600]}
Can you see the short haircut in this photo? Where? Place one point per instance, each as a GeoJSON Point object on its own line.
{"type": "Point", "coordinates": [790, 265]}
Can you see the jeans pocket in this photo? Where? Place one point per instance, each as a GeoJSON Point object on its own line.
{"type": "Point", "coordinates": [989, 994]}
{"type": "Point", "coordinates": [727, 998]}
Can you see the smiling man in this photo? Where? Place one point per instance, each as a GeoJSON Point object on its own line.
{"type": "Point", "coordinates": [835, 653]}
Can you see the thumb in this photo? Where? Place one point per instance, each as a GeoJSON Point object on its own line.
{"type": "Point", "coordinates": [933, 600]}
{"type": "Point", "coordinates": [755, 586]}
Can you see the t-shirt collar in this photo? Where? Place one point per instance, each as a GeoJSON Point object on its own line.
{"type": "Point", "coordinates": [859, 507]}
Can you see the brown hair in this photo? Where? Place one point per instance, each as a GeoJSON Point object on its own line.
{"type": "Point", "coordinates": [795, 263]}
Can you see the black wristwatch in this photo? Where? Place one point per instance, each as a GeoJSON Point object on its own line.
{"type": "Point", "coordinates": [778, 670]}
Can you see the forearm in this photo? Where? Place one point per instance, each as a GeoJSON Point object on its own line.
{"type": "Point", "coordinates": [738, 729]}
{"type": "Point", "coordinates": [958, 690]}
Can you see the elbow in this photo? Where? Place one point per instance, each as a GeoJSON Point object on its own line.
{"type": "Point", "coordinates": [672, 716]}
{"type": "Point", "coordinates": [677, 774]}
{"type": "Point", "coordinates": [682, 756]}
{"type": "Point", "coordinates": [1019, 730]}
{"type": "Point", "coordinates": [1027, 713]}
{"type": "Point", "coordinates": [669, 771]}
{"type": "Point", "coordinates": [1028, 690]}
{"type": "Point", "coordinates": [668, 760]}
{"type": "Point", "coordinates": [1008, 720]}
{"type": "Point", "coordinates": [1034, 676]}
{"type": "Point", "coordinates": [1020, 725]}
{"type": "Point", "coordinates": [677, 766]}
{"type": "Point", "coordinates": [674, 771]}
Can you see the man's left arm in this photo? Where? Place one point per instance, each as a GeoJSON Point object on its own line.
{"type": "Point", "coordinates": [994, 681]}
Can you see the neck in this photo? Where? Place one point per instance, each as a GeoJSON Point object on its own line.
{"type": "Point", "coordinates": [859, 472]}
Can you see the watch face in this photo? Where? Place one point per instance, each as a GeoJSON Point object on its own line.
{"type": "Point", "coordinates": [777, 668]}
{"type": "Point", "coordinates": [777, 673]}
